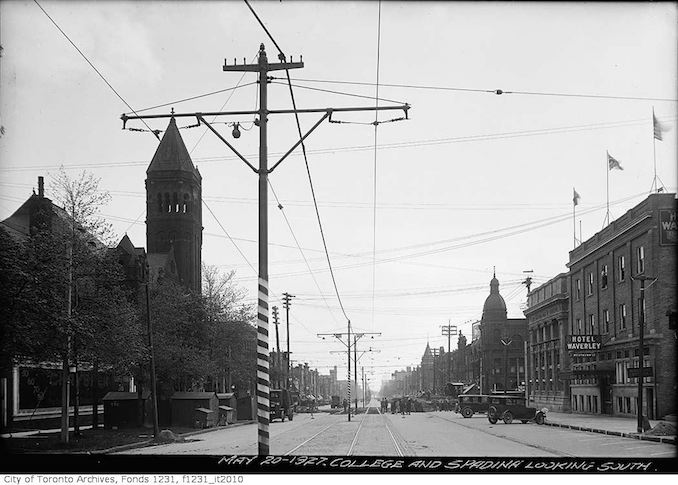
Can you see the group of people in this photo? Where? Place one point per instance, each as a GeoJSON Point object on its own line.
{"type": "Point", "coordinates": [398, 406]}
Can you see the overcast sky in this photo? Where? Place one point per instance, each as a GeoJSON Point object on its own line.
{"type": "Point", "coordinates": [473, 180]}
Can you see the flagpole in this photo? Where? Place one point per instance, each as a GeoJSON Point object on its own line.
{"type": "Point", "coordinates": [654, 156]}
{"type": "Point", "coordinates": [574, 221]}
{"type": "Point", "coordinates": [607, 192]}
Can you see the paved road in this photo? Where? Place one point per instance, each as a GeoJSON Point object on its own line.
{"type": "Point", "coordinates": [417, 434]}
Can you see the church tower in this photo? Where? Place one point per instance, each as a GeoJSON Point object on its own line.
{"type": "Point", "coordinates": [174, 208]}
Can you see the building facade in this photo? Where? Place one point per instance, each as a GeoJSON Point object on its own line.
{"type": "Point", "coordinates": [547, 316]}
{"type": "Point", "coordinates": [605, 307]}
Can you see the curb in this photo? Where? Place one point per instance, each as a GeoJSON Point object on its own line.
{"type": "Point", "coordinates": [657, 439]}
{"type": "Point", "coordinates": [151, 442]}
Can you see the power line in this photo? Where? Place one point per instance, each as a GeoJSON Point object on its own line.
{"type": "Point", "coordinates": [374, 188]}
{"type": "Point", "coordinates": [93, 67]}
{"type": "Point", "coordinates": [342, 93]}
{"type": "Point", "coordinates": [357, 148]}
{"type": "Point", "coordinates": [282, 57]}
{"type": "Point", "coordinates": [490, 91]}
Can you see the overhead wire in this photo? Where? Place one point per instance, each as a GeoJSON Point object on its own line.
{"type": "Point", "coordinates": [282, 57]}
{"type": "Point", "coordinates": [370, 147]}
{"type": "Point", "coordinates": [488, 91]}
{"type": "Point", "coordinates": [374, 187]}
{"type": "Point", "coordinates": [93, 67]}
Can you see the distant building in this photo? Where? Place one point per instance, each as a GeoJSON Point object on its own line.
{"type": "Point", "coordinates": [497, 357]}
{"type": "Point", "coordinates": [548, 360]}
{"type": "Point", "coordinates": [605, 307]}
{"type": "Point", "coordinates": [427, 369]}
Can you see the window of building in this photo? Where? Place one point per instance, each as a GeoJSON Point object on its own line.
{"type": "Point", "coordinates": [620, 404]}
{"type": "Point", "coordinates": [591, 278]}
{"type": "Point", "coordinates": [603, 277]}
{"type": "Point", "coordinates": [627, 405]}
{"type": "Point", "coordinates": [592, 324]}
{"type": "Point", "coordinates": [578, 328]}
{"type": "Point", "coordinates": [622, 269]}
{"type": "Point", "coordinates": [640, 258]}
{"type": "Point", "coordinates": [578, 289]}
{"type": "Point", "coordinates": [622, 316]}
{"type": "Point", "coordinates": [641, 310]}
{"type": "Point", "coordinates": [606, 319]}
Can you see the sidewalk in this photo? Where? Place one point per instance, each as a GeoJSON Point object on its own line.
{"type": "Point", "coordinates": [612, 425]}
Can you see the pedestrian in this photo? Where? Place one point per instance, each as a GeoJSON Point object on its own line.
{"type": "Point", "coordinates": [345, 403]}
{"type": "Point", "coordinates": [409, 406]}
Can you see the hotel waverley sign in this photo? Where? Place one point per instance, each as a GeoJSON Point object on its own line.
{"type": "Point", "coordinates": [584, 344]}
{"type": "Point", "coordinates": [668, 227]}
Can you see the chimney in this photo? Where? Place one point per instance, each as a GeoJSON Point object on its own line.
{"type": "Point", "coordinates": [41, 186]}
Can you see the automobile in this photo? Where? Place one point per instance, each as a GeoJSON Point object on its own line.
{"type": "Point", "coordinates": [335, 402]}
{"type": "Point", "coordinates": [280, 405]}
{"type": "Point", "coordinates": [469, 404]}
{"type": "Point", "coordinates": [508, 408]}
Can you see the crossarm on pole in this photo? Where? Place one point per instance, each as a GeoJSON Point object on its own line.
{"type": "Point", "coordinates": [301, 140]}
{"type": "Point", "coordinates": [201, 119]}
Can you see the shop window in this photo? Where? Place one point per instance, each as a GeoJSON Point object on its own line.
{"type": "Point", "coordinates": [620, 404]}
{"type": "Point", "coordinates": [627, 405]}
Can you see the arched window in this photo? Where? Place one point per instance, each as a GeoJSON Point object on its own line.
{"type": "Point", "coordinates": [187, 204]}
{"type": "Point", "coordinates": [168, 207]}
{"type": "Point", "coordinates": [175, 202]}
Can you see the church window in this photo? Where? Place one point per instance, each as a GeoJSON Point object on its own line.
{"type": "Point", "coordinates": [187, 207]}
{"type": "Point", "coordinates": [175, 202]}
{"type": "Point", "coordinates": [167, 207]}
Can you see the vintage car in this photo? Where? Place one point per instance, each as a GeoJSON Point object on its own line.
{"type": "Point", "coordinates": [470, 404]}
{"type": "Point", "coordinates": [508, 408]}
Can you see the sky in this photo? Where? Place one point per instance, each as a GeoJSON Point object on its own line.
{"type": "Point", "coordinates": [472, 181]}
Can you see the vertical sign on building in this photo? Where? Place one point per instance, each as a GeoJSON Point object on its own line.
{"type": "Point", "coordinates": [668, 227]}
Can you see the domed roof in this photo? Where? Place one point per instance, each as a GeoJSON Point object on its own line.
{"type": "Point", "coordinates": [494, 302]}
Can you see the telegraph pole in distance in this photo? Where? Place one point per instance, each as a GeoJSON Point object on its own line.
{"type": "Point", "coordinates": [449, 330]}
{"type": "Point", "coordinates": [287, 302]}
{"type": "Point", "coordinates": [356, 337]}
{"type": "Point", "coordinates": [262, 68]}
{"type": "Point", "coordinates": [277, 364]}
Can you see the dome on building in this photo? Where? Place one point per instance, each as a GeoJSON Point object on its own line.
{"type": "Point", "coordinates": [494, 302]}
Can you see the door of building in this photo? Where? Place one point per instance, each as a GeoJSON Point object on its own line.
{"type": "Point", "coordinates": [649, 403]}
{"type": "Point", "coordinates": [606, 394]}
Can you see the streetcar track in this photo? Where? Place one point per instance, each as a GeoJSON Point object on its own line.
{"type": "Point", "coordinates": [399, 451]}
{"type": "Point", "coordinates": [355, 438]}
{"type": "Point", "coordinates": [309, 439]}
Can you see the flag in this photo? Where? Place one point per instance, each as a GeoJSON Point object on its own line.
{"type": "Point", "coordinates": [658, 128]}
{"type": "Point", "coordinates": [613, 163]}
{"type": "Point", "coordinates": [575, 197]}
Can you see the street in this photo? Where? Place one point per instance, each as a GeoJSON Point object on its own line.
{"type": "Point", "coordinates": [418, 434]}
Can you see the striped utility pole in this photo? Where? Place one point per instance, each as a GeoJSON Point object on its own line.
{"type": "Point", "coordinates": [262, 68]}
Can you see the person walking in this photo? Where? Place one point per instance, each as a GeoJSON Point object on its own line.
{"type": "Point", "coordinates": [345, 403]}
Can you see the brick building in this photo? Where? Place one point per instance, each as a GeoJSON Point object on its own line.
{"type": "Point", "coordinates": [605, 302]}
{"type": "Point", "coordinates": [547, 323]}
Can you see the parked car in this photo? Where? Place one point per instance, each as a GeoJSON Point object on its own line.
{"type": "Point", "coordinates": [470, 404]}
{"type": "Point", "coordinates": [280, 405]}
{"type": "Point", "coordinates": [508, 408]}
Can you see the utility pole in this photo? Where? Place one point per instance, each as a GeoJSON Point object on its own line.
{"type": "Point", "coordinates": [149, 329]}
{"type": "Point", "coordinates": [641, 348]}
{"type": "Point", "coordinates": [66, 365]}
{"type": "Point", "coordinates": [506, 342]}
{"type": "Point", "coordinates": [436, 353]}
{"type": "Point", "coordinates": [262, 68]}
{"type": "Point", "coordinates": [277, 365]}
{"type": "Point", "coordinates": [287, 301]}
{"type": "Point", "coordinates": [356, 337]}
{"type": "Point", "coordinates": [449, 330]}
{"type": "Point", "coordinates": [355, 371]}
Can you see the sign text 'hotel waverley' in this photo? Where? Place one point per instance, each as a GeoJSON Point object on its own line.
{"type": "Point", "coordinates": [584, 344]}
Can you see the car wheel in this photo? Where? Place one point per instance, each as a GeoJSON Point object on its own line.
{"type": "Point", "coordinates": [492, 415]}
{"type": "Point", "coordinates": [467, 412]}
{"type": "Point", "coordinates": [524, 421]}
{"type": "Point", "coordinates": [539, 418]}
{"type": "Point", "coordinates": [507, 417]}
